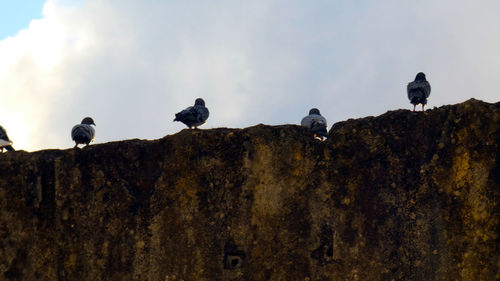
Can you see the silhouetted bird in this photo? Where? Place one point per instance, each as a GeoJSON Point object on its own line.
{"type": "Point", "coordinates": [83, 133]}
{"type": "Point", "coordinates": [316, 123]}
{"type": "Point", "coordinates": [193, 116]}
{"type": "Point", "coordinates": [5, 142]}
{"type": "Point", "coordinates": [419, 90]}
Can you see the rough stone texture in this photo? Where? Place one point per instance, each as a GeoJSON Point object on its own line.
{"type": "Point", "coordinates": [402, 196]}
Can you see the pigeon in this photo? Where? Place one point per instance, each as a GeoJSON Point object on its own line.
{"type": "Point", "coordinates": [83, 133]}
{"type": "Point", "coordinates": [5, 142]}
{"type": "Point", "coordinates": [316, 123]}
{"type": "Point", "coordinates": [419, 90]}
{"type": "Point", "coordinates": [193, 116]}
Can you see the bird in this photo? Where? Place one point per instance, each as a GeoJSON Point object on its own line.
{"type": "Point", "coordinates": [83, 133]}
{"type": "Point", "coordinates": [5, 142]}
{"type": "Point", "coordinates": [193, 116]}
{"type": "Point", "coordinates": [316, 123]}
{"type": "Point", "coordinates": [419, 90]}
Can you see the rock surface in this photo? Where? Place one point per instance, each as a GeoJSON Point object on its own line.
{"type": "Point", "coordinates": [402, 196]}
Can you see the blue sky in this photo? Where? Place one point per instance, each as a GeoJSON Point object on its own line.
{"type": "Point", "coordinates": [131, 65]}
{"type": "Point", "coordinates": [16, 15]}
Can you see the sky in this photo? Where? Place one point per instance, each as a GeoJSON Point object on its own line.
{"type": "Point", "coordinates": [131, 65]}
{"type": "Point", "coordinates": [16, 15]}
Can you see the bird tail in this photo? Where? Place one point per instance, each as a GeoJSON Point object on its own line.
{"type": "Point", "coordinates": [177, 115]}
{"type": "Point", "coordinates": [9, 148]}
{"type": "Point", "coordinates": [322, 133]}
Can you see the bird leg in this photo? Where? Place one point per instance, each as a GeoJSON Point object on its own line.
{"type": "Point", "coordinates": [414, 107]}
{"type": "Point", "coordinates": [423, 107]}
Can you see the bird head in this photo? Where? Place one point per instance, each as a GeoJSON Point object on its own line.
{"type": "Point", "coordinates": [420, 77]}
{"type": "Point", "coordinates": [199, 101]}
{"type": "Point", "coordinates": [88, 121]}
{"type": "Point", "coordinates": [314, 111]}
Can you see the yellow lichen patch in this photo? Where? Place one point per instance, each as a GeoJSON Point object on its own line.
{"type": "Point", "coordinates": [435, 157]}
{"type": "Point", "coordinates": [76, 178]}
{"type": "Point", "coordinates": [297, 156]}
{"type": "Point", "coordinates": [98, 178]}
{"type": "Point", "coordinates": [140, 245]}
{"type": "Point", "coordinates": [71, 261]}
{"type": "Point", "coordinates": [461, 168]}
{"type": "Point", "coordinates": [268, 201]}
{"type": "Point", "coordinates": [456, 177]}
{"type": "Point", "coordinates": [170, 277]}
{"type": "Point", "coordinates": [268, 193]}
{"type": "Point", "coordinates": [479, 214]}
{"type": "Point", "coordinates": [188, 186]}
{"type": "Point", "coordinates": [263, 155]}
{"type": "Point", "coordinates": [105, 248]}
{"type": "Point", "coordinates": [346, 201]}
{"type": "Point", "coordinates": [298, 165]}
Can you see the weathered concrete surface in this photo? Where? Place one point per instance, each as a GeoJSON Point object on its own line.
{"type": "Point", "coordinates": [402, 196]}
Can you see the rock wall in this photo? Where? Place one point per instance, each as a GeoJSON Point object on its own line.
{"type": "Point", "coordinates": [402, 196]}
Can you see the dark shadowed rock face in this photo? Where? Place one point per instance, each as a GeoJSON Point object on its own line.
{"type": "Point", "coordinates": [402, 196]}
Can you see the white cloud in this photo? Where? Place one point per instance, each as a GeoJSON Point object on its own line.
{"type": "Point", "coordinates": [131, 65]}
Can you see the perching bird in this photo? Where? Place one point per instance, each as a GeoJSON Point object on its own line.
{"type": "Point", "coordinates": [5, 142]}
{"type": "Point", "coordinates": [193, 116]}
{"type": "Point", "coordinates": [83, 133]}
{"type": "Point", "coordinates": [419, 90]}
{"type": "Point", "coordinates": [316, 123]}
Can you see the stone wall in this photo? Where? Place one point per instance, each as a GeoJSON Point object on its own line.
{"type": "Point", "coordinates": [402, 196]}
